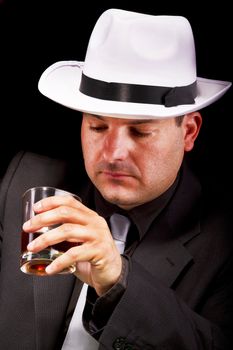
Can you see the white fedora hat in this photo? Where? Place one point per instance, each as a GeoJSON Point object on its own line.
{"type": "Point", "coordinates": [136, 66]}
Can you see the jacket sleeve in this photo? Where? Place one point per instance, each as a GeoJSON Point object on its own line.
{"type": "Point", "coordinates": [0, 243]}
{"type": "Point", "coordinates": [5, 182]}
{"type": "Point", "coordinates": [152, 316]}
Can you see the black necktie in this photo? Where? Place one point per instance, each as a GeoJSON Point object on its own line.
{"type": "Point", "coordinates": [119, 227]}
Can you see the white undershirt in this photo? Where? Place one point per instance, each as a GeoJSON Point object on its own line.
{"type": "Point", "coordinates": [77, 338]}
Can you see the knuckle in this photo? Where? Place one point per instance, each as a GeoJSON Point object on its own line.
{"type": "Point", "coordinates": [72, 254]}
{"type": "Point", "coordinates": [63, 211]}
{"type": "Point", "coordinates": [67, 228]}
{"type": "Point", "coordinates": [44, 238]}
{"type": "Point", "coordinates": [102, 221]}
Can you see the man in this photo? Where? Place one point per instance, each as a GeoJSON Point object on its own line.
{"type": "Point", "coordinates": [172, 286]}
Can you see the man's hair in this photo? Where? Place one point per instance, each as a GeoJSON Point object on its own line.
{"type": "Point", "coordinates": [179, 119]}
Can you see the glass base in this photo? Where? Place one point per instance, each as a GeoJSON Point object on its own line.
{"type": "Point", "coordinates": [35, 264]}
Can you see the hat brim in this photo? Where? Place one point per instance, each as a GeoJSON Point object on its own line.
{"type": "Point", "coordinates": [60, 82]}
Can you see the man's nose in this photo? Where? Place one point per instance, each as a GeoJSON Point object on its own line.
{"type": "Point", "coordinates": [116, 146]}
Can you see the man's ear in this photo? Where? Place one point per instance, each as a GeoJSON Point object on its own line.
{"type": "Point", "coordinates": [191, 125]}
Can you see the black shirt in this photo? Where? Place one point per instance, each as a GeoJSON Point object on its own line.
{"type": "Point", "coordinates": [98, 310]}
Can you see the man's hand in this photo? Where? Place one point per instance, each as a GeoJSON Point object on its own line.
{"type": "Point", "coordinates": [98, 262]}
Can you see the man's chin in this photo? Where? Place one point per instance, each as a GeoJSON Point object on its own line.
{"type": "Point", "coordinates": [124, 202]}
{"type": "Point", "coordinates": [115, 193]}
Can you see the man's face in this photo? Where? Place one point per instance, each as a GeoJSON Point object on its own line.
{"type": "Point", "coordinates": [131, 161]}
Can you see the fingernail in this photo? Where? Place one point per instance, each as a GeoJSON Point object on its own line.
{"type": "Point", "coordinates": [49, 269]}
{"type": "Point", "coordinates": [30, 246]}
{"type": "Point", "coordinates": [26, 225]}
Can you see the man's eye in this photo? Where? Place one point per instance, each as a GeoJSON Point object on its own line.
{"type": "Point", "coordinates": [139, 133]}
{"type": "Point", "coordinates": [98, 128]}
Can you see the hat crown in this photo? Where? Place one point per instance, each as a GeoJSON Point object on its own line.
{"type": "Point", "coordinates": [137, 66]}
{"type": "Point", "coordinates": [134, 48]}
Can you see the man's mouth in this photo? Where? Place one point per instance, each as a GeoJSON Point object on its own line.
{"type": "Point", "coordinates": [115, 174]}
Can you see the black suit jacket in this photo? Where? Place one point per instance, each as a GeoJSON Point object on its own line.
{"type": "Point", "coordinates": [179, 293]}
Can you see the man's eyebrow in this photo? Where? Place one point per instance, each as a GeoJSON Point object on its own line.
{"type": "Point", "coordinates": [95, 116]}
{"type": "Point", "coordinates": [129, 121]}
{"type": "Point", "coordinates": [141, 121]}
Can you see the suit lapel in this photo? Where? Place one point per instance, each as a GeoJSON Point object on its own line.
{"type": "Point", "coordinates": [165, 257]}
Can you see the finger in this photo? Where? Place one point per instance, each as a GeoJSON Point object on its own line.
{"type": "Point", "coordinates": [56, 201]}
{"type": "Point", "coordinates": [58, 215]}
{"type": "Point", "coordinates": [72, 256]}
{"type": "Point", "coordinates": [62, 262]}
{"type": "Point", "coordinates": [66, 232]}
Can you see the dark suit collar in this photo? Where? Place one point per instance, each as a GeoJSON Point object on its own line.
{"type": "Point", "coordinates": [183, 212]}
{"type": "Point", "coordinates": [162, 251]}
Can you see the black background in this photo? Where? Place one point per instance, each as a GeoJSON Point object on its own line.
{"type": "Point", "coordinates": [35, 34]}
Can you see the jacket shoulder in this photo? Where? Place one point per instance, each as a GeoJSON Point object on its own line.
{"type": "Point", "coordinates": [27, 169]}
